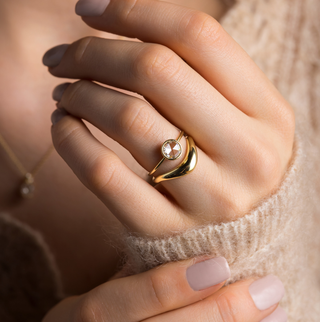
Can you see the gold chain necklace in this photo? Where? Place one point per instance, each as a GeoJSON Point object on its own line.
{"type": "Point", "coordinates": [27, 187]}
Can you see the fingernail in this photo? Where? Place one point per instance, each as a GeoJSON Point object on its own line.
{"type": "Point", "coordinates": [279, 315]}
{"type": "Point", "coordinates": [91, 7]}
{"type": "Point", "coordinates": [208, 273]}
{"type": "Point", "coordinates": [54, 55]}
{"type": "Point", "coordinates": [59, 90]}
{"type": "Point", "coordinates": [266, 291]}
{"type": "Point", "coordinates": [57, 115]}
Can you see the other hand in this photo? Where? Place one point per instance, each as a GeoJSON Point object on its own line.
{"type": "Point", "coordinates": [189, 290]}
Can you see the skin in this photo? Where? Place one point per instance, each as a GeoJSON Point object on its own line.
{"type": "Point", "coordinates": [68, 215]}
{"type": "Point", "coordinates": [254, 123]}
{"type": "Point", "coordinates": [164, 295]}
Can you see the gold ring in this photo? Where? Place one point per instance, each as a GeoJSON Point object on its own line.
{"type": "Point", "coordinates": [171, 149]}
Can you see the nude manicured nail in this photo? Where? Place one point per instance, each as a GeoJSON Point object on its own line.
{"type": "Point", "coordinates": [266, 291]}
{"type": "Point", "coordinates": [57, 115]}
{"type": "Point", "coordinates": [279, 315]}
{"type": "Point", "coordinates": [54, 55]}
{"type": "Point", "coordinates": [91, 7]}
{"type": "Point", "coordinates": [59, 90]}
{"type": "Point", "coordinates": [208, 273]}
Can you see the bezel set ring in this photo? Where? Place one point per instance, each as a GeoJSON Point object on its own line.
{"type": "Point", "coordinates": [171, 149]}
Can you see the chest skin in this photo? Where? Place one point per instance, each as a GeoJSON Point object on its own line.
{"type": "Point", "coordinates": [72, 220]}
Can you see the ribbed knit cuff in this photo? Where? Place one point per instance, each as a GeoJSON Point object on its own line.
{"type": "Point", "coordinates": [256, 232]}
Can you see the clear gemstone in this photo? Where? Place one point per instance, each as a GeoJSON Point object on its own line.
{"type": "Point", "coordinates": [171, 149]}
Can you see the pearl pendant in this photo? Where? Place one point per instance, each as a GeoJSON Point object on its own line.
{"type": "Point", "coordinates": [27, 187]}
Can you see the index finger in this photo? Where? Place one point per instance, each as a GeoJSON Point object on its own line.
{"type": "Point", "coordinates": [202, 42]}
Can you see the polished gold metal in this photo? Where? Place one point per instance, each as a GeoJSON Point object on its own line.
{"type": "Point", "coordinates": [185, 167]}
{"type": "Point", "coordinates": [164, 158]}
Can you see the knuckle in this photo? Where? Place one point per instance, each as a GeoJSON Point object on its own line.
{"type": "Point", "coordinates": [72, 97]}
{"type": "Point", "coordinates": [266, 165]}
{"type": "Point", "coordinates": [200, 28]}
{"type": "Point", "coordinates": [88, 310]}
{"type": "Point", "coordinates": [135, 118]}
{"type": "Point", "coordinates": [270, 166]}
{"type": "Point", "coordinates": [66, 135]}
{"type": "Point", "coordinates": [125, 14]}
{"type": "Point", "coordinates": [81, 49]}
{"type": "Point", "coordinates": [155, 63]}
{"type": "Point", "coordinates": [288, 122]}
{"type": "Point", "coordinates": [283, 118]}
{"type": "Point", "coordinates": [226, 308]}
{"type": "Point", "coordinates": [104, 175]}
{"type": "Point", "coordinates": [159, 292]}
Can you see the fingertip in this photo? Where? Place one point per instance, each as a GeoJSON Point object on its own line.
{"type": "Point", "coordinates": [57, 115]}
{"type": "Point", "coordinates": [267, 291]}
{"type": "Point", "coordinates": [278, 315]}
{"type": "Point", "coordinates": [58, 91]}
{"type": "Point", "coordinates": [53, 56]}
{"type": "Point", "coordinates": [91, 8]}
{"type": "Point", "coordinates": [208, 273]}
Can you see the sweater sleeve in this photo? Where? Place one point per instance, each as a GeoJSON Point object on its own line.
{"type": "Point", "coordinates": [264, 226]}
{"type": "Point", "coordinates": [273, 238]}
{"type": "Point", "coordinates": [29, 278]}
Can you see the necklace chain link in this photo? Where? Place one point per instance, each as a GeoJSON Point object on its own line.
{"type": "Point", "coordinates": [27, 187]}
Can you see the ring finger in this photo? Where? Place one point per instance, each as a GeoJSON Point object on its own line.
{"type": "Point", "coordinates": [139, 128]}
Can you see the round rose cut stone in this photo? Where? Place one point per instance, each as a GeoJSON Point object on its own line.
{"type": "Point", "coordinates": [171, 149]}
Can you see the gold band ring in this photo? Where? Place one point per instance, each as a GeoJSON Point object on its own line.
{"type": "Point", "coordinates": [171, 150]}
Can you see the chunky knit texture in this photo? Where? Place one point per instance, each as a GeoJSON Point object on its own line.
{"type": "Point", "coordinates": [29, 278]}
{"type": "Point", "coordinates": [265, 229]}
{"type": "Point", "coordinates": [279, 236]}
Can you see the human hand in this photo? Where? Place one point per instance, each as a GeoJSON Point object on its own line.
{"type": "Point", "coordinates": [194, 77]}
{"type": "Point", "coordinates": [189, 290]}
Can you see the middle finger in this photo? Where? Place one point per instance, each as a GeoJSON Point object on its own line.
{"type": "Point", "coordinates": [180, 94]}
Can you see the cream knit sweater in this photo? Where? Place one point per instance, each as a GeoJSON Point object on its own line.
{"type": "Point", "coordinates": [280, 236]}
